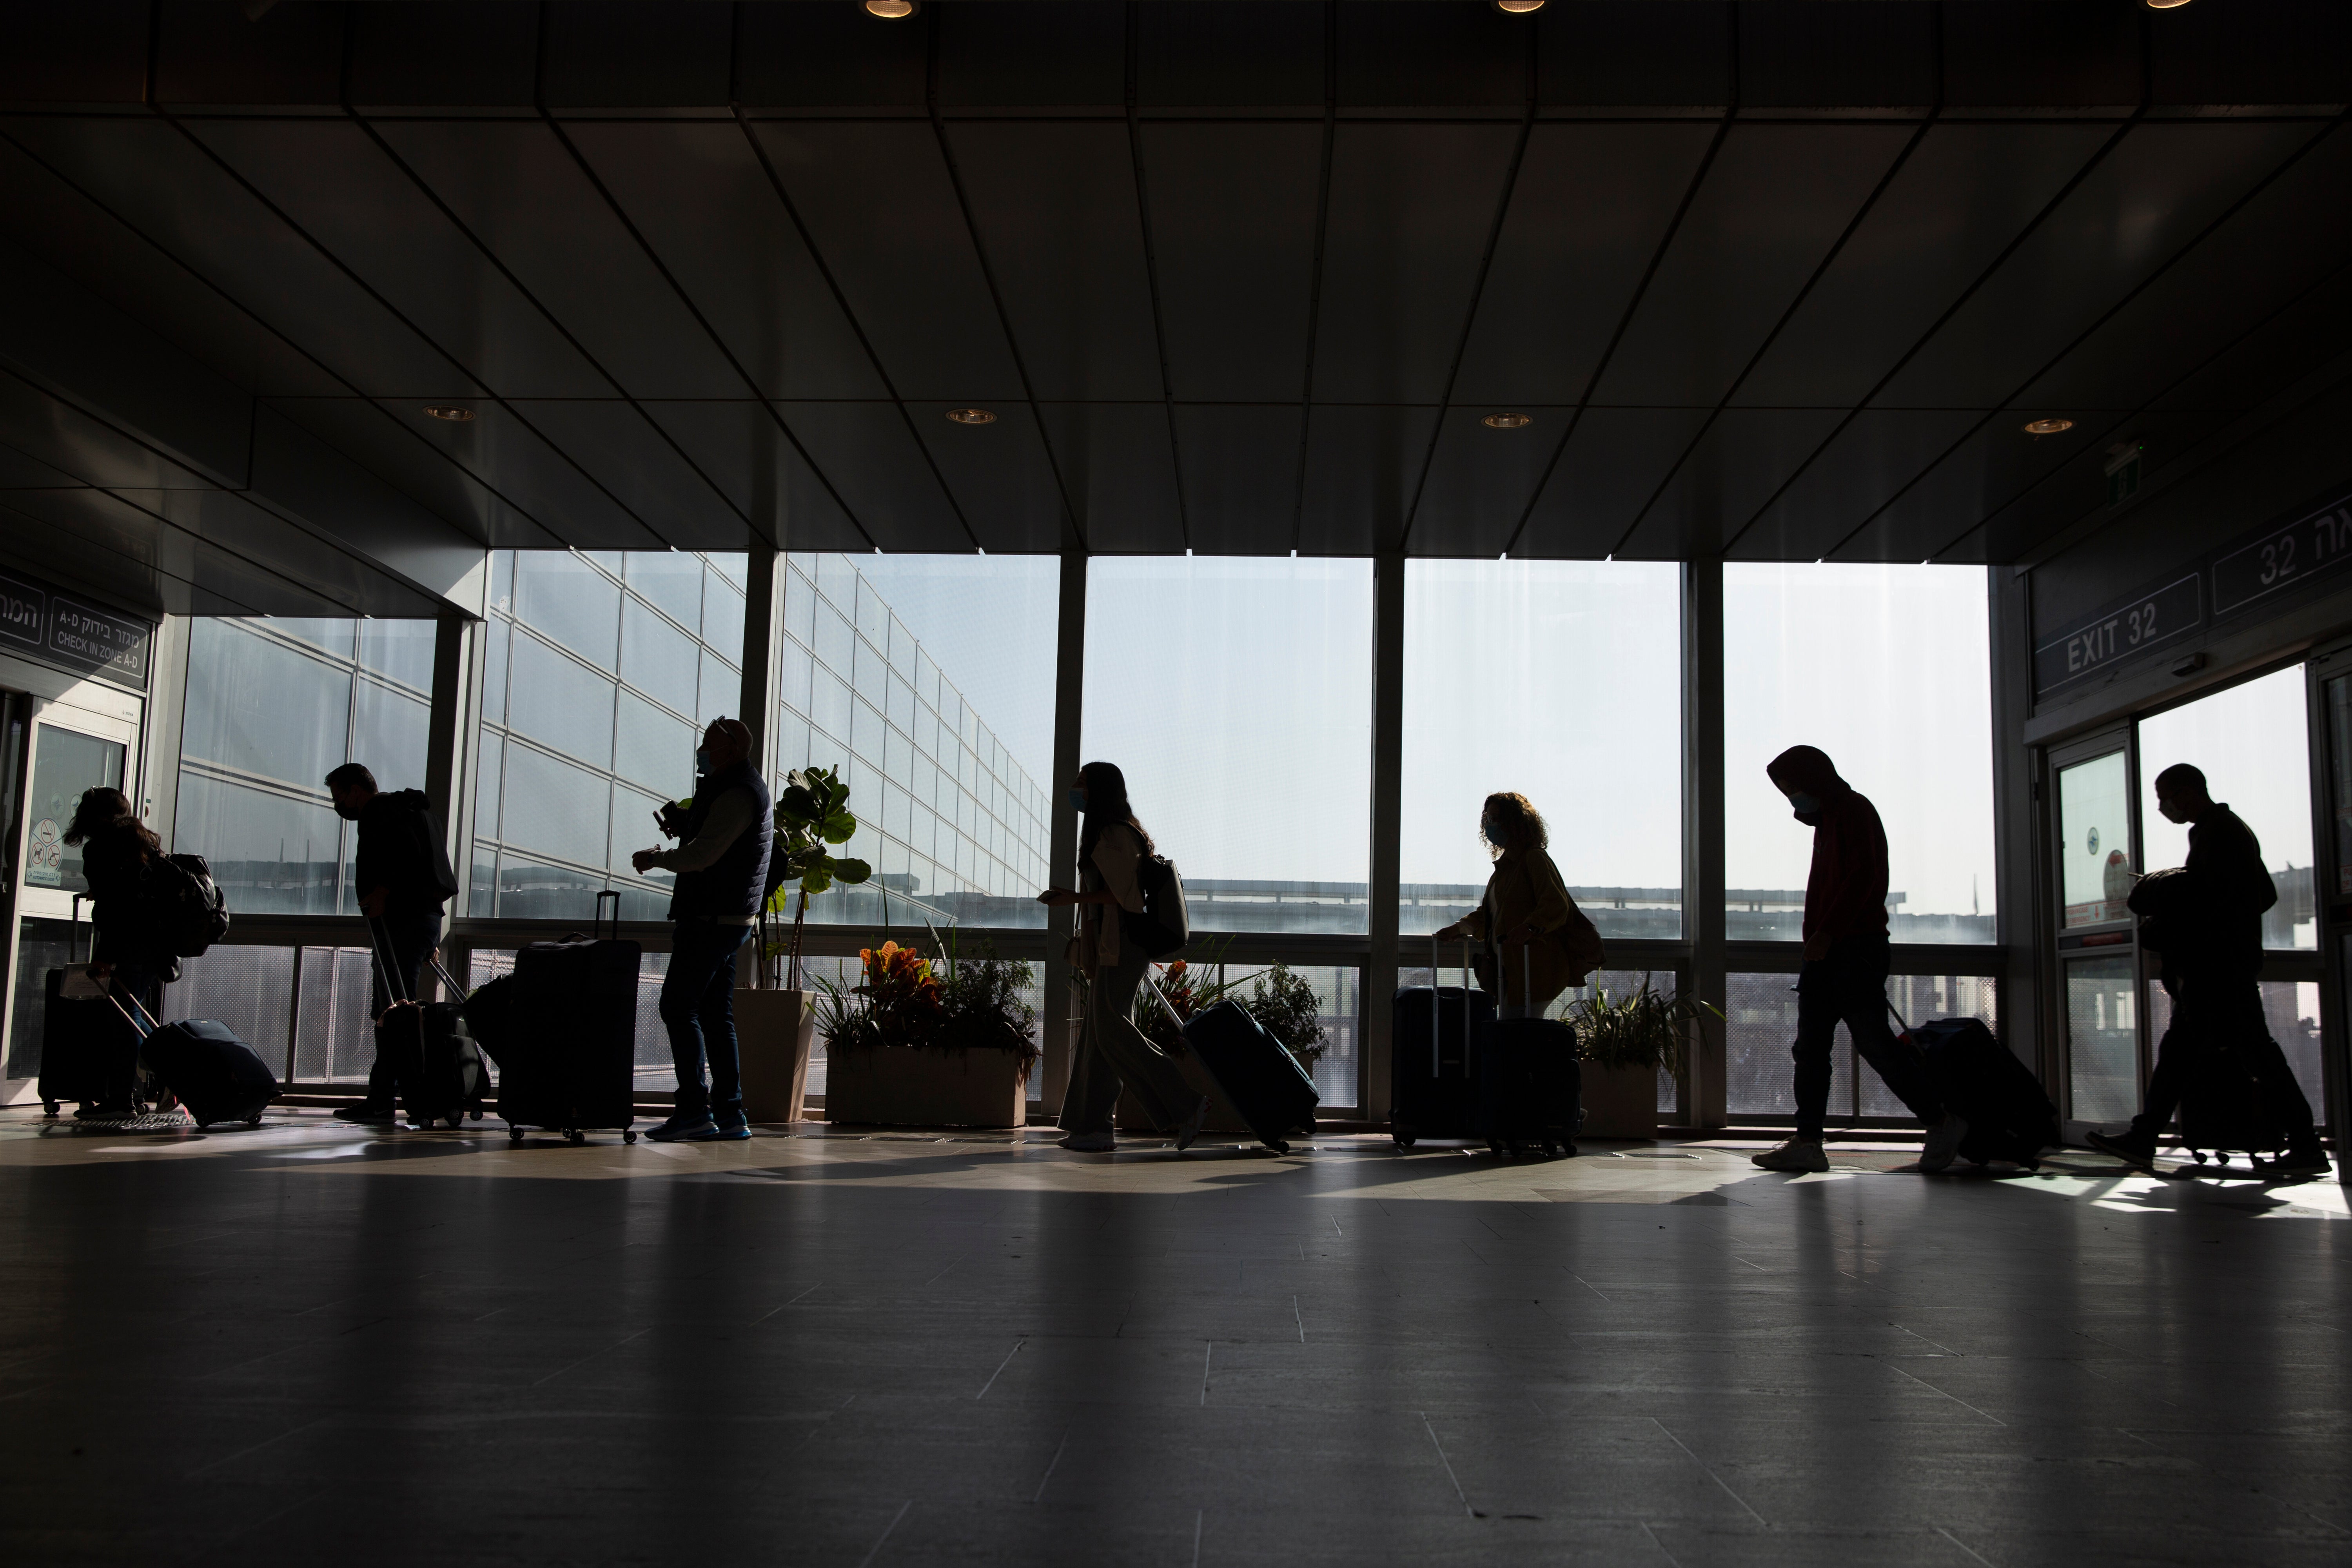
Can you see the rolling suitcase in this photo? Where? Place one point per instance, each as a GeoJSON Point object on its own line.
{"type": "Point", "coordinates": [1433, 1093]}
{"type": "Point", "coordinates": [435, 1064]}
{"type": "Point", "coordinates": [1263, 1081]}
{"type": "Point", "coordinates": [212, 1072]}
{"type": "Point", "coordinates": [1530, 1085]}
{"type": "Point", "coordinates": [78, 1030]}
{"type": "Point", "coordinates": [489, 1015]}
{"type": "Point", "coordinates": [2222, 1109]}
{"type": "Point", "coordinates": [569, 1061]}
{"type": "Point", "coordinates": [2009, 1115]}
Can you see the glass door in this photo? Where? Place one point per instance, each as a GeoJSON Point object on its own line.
{"type": "Point", "coordinates": [2096, 849]}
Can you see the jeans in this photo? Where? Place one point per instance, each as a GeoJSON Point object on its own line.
{"type": "Point", "coordinates": [1850, 986]}
{"type": "Point", "coordinates": [410, 939]}
{"type": "Point", "coordinates": [1112, 1053]}
{"type": "Point", "coordinates": [697, 1005]}
{"type": "Point", "coordinates": [2209, 1009]}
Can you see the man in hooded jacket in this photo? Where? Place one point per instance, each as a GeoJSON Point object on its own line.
{"type": "Point", "coordinates": [401, 876]}
{"type": "Point", "coordinates": [1846, 964]}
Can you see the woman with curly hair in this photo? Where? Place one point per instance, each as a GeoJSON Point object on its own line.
{"type": "Point", "coordinates": [1543, 942]}
{"type": "Point", "coordinates": [128, 952]}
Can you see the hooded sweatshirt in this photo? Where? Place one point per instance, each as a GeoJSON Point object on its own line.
{"type": "Point", "coordinates": [1845, 891]}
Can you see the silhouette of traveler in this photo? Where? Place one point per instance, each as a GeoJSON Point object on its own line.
{"type": "Point", "coordinates": [1526, 907]}
{"type": "Point", "coordinates": [2211, 941]}
{"type": "Point", "coordinates": [1846, 964]}
{"type": "Point", "coordinates": [727, 832]}
{"type": "Point", "coordinates": [1112, 1051]}
{"type": "Point", "coordinates": [131, 953]}
{"type": "Point", "coordinates": [402, 876]}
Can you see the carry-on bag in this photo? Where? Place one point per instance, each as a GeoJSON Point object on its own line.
{"type": "Point", "coordinates": [489, 1015]}
{"type": "Point", "coordinates": [570, 1062]}
{"type": "Point", "coordinates": [1433, 1093]}
{"type": "Point", "coordinates": [2223, 1109]}
{"type": "Point", "coordinates": [1980, 1081]}
{"type": "Point", "coordinates": [1265, 1083]}
{"type": "Point", "coordinates": [78, 1030]}
{"type": "Point", "coordinates": [205, 1066]}
{"type": "Point", "coordinates": [1530, 1084]}
{"type": "Point", "coordinates": [436, 1065]}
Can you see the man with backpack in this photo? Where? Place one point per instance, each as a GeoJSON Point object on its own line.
{"type": "Point", "coordinates": [2205, 920]}
{"type": "Point", "coordinates": [401, 876]}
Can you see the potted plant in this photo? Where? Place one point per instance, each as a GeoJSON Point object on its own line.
{"type": "Point", "coordinates": [1282, 1003]}
{"type": "Point", "coordinates": [776, 1024]}
{"type": "Point", "coordinates": [1625, 1041]}
{"type": "Point", "coordinates": [928, 1044]}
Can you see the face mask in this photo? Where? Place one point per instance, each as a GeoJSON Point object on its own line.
{"type": "Point", "coordinates": [1078, 800]}
{"type": "Point", "coordinates": [702, 759]}
{"type": "Point", "coordinates": [347, 813]}
{"type": "Point", "coordinates": [1808, 809]}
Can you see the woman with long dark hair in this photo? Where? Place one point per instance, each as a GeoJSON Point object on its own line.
{"type": "Point", "coordinates": [1112, 1052]}
{"type": "Point", "coordinates": [126, 953]}
{"type": "Point", "coordinates": [1536, 937]}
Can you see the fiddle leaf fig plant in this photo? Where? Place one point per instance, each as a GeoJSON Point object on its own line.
{"type": "Point", "coordinates": [811, 815]}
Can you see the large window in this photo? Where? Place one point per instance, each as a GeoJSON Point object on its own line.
{"type": "Point", "coordinates": [1560, 680]}
{"type": "Point", "coordinates": [1887, 669]}
{"type": "Point", "coordinates": [273, 705]}
{"type": "Point", "coordinates": [2254, 744]}
{"type": "Point", "coordinates": [929, 679]}
{"type": "Point", "coordinates": [601, 669]}
{"type": "Point", "coordinates": [1235, 693]}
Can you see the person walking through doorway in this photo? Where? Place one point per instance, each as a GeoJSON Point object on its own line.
{"type": "Point", "coordinates": [401, 874]}
{"type": "Point", "coordinates": [1542, 940]}
{"type": "Point", "coordinates": [2212, 947]}
{"type": "Point", "coordinates": [1846, 963]}
{"type": "Point", "coordinates": [727, 834]}
{"type": "Point", "coordinates": [1112, 1052]}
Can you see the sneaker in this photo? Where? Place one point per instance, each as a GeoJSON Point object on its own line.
{"type": "Point", "coordinates": [1796, 1155]}
{"type": "Point", "coordinates": [1943, 1144]}
{"type": "Point", "coordinates": [1089, 1143]}
{"type": "Point", "coordinates": [368, 1115]}
{"type": "Point", "coordinates": [2311, 1159]}
{"type": "Point", "coordinates": [122, 1110]}
{"type": "Point", "coordinates": [2133, 1147]}
{"type": "Point", "coordinates": [1191, 1128]}
{"type": "Point", "coordinates": [696, 1128]}
{"type": "Point", "coordinates": [731, 1132]}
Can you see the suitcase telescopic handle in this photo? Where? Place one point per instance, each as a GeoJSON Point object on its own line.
{"type": "Point", "coordinates": [73, 930]}
{"type": "Point", "coordinates": [1437, 1002]}
{"type": "Point", "coordinates": [597, 923]}
{"type": "Point", "coordinates": [385, 973]}
{"type": "Point", "coordinates": [1165, 1005]}
{"type": "Point", "coordinates": [1904, 1023]}
{"type": "Point", "coordinates": [137, 1027]}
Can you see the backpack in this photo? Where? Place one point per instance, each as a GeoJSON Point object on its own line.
{"type": "Point", "coordinates": [1163, 927]}
{"type": "Point", "coordinates": [187, 908]}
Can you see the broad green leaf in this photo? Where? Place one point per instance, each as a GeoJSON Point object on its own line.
{"type": "Point", "coordinates": [852, 871]}
{"type": "Point", "coordinates": [840, 827]}
{"type": "Point", "coordinates": [816, 879]}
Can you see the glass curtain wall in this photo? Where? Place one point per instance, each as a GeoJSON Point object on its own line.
{"type": "Point", "coordinates": [272, 705]}
{"type": "Point", "coordinates": [928, 680]}
{"type": "Point", "coordinates": [1560, 680]}
{"type": "Point", "coordinates": [600, 670]}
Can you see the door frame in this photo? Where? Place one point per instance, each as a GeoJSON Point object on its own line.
{"type": "Point", "coordinates": [2120, 736]}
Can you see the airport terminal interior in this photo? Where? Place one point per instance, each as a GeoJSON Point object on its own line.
{"type": "Point", "coordinates": [732, 474]}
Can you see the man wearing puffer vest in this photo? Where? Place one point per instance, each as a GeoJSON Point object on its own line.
{"type": "Point", "coordinates": [721, 863]}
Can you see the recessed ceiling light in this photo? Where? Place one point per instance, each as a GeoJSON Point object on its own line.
{"type": "Point", "coordinates": [2164, 4]}
{"type": "Point", "coordinates": [971, 417]}
{"type": "Point", "coordinates": [1506, 421]}
{"type": "Point", "coordinates": [452, 413]}
{"type": "Point", "coordinates": [1518, 7]}
{"type": "Point", "coordinates": [890, 7]}
{"type": "Point", "coordinates": [2047, 427]}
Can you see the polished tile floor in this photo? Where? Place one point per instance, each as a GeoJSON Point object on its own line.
{"type": "Point", "coordinates": [305, 1344]}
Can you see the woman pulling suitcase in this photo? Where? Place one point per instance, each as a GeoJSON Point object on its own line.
{"type": "Point", "coordinates": [1526, 907]}
{"type": "Point", "coordinates": [129, 952]}
{"type": "Point", "coordinates": [1112, 1050]}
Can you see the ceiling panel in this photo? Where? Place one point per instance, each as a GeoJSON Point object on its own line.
{"type": "Point", "coordinates": [339, 185]}
{"type": "Point", "coordinates": [747, 452]}
{"type": "Point", "coordinates": [507, 454]}
{"type": "Point", "coordinates": [520, 193]}
{"type": "Point", "coordinates": [1055, 206]}
{"type": "Point", "coordinates": [1228, 52]}
{"type": "Point", "coordinates": [884, 216]}
{"type": "Point", "coordinates": [92, 452]}
{"type": "Point", "coordinates": [23, 472]}
{"type": "Point", "coordinates": [1001, 475]}
{"type": "Point", "coordinates": [1864, 465]}
{"type": "Point", "coordinates": [1363, 463]}
{"type": "Point", "coordinates": [2076, 489]}
{"type": "Point", "coordinates": [1965, 193]}
{"type": "Point", "coordinates": [1774, 201]}
{"type": "Point", "coordinates": [95, 543]}
{"type": "Point", "coordinates": [1032, 52]}
{"type": "Point", "coordinates": [2293, 342]}
{"type": "Point", "coordinates": [1411, 208]}
{"type": "Point", "coordinates": [1240, 464]}
{"type": "Point", "coordinates": [1987, 472]}
{"type": "Point", "coordinates": [628, 454]}
{"type": "Point", "coordinates": [1232, 237]}
{"type": "Point", "coordinates": [1481, 480]}
{"type": "Point", "coordinates": [391, 444]}
{"type": "Point", "coordinates": [154, 178]}
{"type": "Point", "coordinates": [1745, 455]}
{"type": "Point", "coordinates": [1121, 473]}
{"type": "Point", "coordinates": [882, 474]}
{"type": "Point", "coordinates": [1591, 204]}
{"type": "Point", "coordinates": [2167, 180]}
{"type": "Point", "coordinates": [697, 191]}
{"type": "Point", "coordinates": [1614, 462]}
{"type": "Point", "coordinates": [295, 556]}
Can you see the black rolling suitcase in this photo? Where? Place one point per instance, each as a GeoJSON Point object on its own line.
{"type": "Point", "coordinates": [2222, 1109]}
{"type": "Point", "coordinates": [79, 1028]}
{"type": "Point", "coordinates": [570, 1060]}
{"type": "Point", "coordinates": [2009, 1115]}
{"type": "Point", "coordinates": [1263, 1081]}
{"type": "Point", "coordinates": [212, 1072]}
{"type": "Point", "coordinates": [435, 1064]}
{"type": "Point", "coordinates": [1433, 1093]}
{"type": "Point", "coordinates": [1530, 1085]}
{"type": "Point", "coordinates": [489, 1015]}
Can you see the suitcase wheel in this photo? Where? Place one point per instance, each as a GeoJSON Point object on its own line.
{"type": "Point", "coordinates": [49, 1109]}
{"type": "Point", "coordinates": [477, 1113]}
{"type": "Point", "coordinates": [1402, 1139]}
{"type": "Point", "coordinates": [514, 1134]}
{"type": "Point", "coordinates": [457, 1119]}
{"type": "Point", "coordinates": [575, 1136]}
{"type": "Point", "coordinates": [1277, 1146]}
{"type": "Point", "coordinates": [253, 1120]}
{"type": "Point", "coordinates": [629, 1137]}
{"type": "Point", "coordinates": [2220, 1158]}
{"type": "Point", "coordinates": [1495, 1148]}
{"type": "Point", "coordinates": [1551, 1148]}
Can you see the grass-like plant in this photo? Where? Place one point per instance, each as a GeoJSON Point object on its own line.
{"type": "Point", "coordinates": [1282, 1003]}
{"type": "Point", "coordinates": [1639, 1028]}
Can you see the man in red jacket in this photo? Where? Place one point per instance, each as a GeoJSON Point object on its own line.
{"type": "Point", "coordinates": [1846, 964]}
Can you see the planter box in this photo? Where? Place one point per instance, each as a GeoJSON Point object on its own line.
{"type": "Point", "coordinates": [1619, 1102]}
{"type": "Point", "coordinates": [909, 1086]}
{"type": "Point", "coordinates": [777, 1031]}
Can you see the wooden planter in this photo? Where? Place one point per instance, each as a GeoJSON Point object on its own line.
{"type": "Point", "coordinates": [777, 1031]}
{"type": "Point", "coordinates": [910, 1086]}
{"type": "Point", "coordinates": [1619, 1102]}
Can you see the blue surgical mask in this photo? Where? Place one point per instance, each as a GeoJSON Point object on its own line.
{"type": "Point", "coordinates": [1078, 800]}
{"type": "Point", "coordinates": [1807, 808]}
{"type": "Point", "coordinates": [702, 760]}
